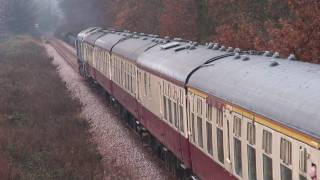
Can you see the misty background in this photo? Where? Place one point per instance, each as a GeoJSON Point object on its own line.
{"type": "Point", "coordinates": [29, 16]}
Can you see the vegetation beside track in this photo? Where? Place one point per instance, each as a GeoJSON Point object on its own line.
{"type": "Point", "coordinates": [42, 135]}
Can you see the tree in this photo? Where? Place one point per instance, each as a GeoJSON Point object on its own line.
{"type": "Point", "coordinates": [2, 17]}
{"type": "Point", "coordinates": [81, 14]}
{"type": "Point", "coordinates": [138, 15]}
{"type": "Point", "coordinates": [300, 34]}
{"type": "Point", "coordinates": [48, 15]}
{"type": "Point", "coordinates": [179, 19]}
{"type": "Point", "coordinates": [19, 16]}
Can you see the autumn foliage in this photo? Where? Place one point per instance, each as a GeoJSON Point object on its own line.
{"type": "Point", "coordinates": [284, 26]}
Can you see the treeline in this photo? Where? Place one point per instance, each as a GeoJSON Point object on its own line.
{"type": "Point", "coordinates": [285, 26]}
{"type": "Point", "coordinates": [27, 17]}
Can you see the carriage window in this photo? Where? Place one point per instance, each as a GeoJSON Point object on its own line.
{"type": "Point", "coordinates": [286, 173]}
{"type": "Point", "coordinates": [303, 163]}
{"type": "Point", "coordinates": [251, 133]}
{"type": "Point", "coordinates": [131, 84]}
{"type": "Point", "coordinates": [192, 128]}
{"type": "Point", "coordinates": [209, 138]}
{"type": "Point", "coordinates": [219, 118]}
{"type": "Point", "coordinates": [237, 157]}
{"type": "Point", "coordinates": [145, 84]}
{"type": "Point", "coordinates": [181, 119]}
{"type": "Point", "coordinates": [237, 126]}
{"type": "Point", "coordinates": [302, 177]}
{"type": "Point", "coordinates": [220, 145]}
{"type": "Point", "coordinates": [209, 112]}
{"type": "Point", "coordinates": [181, 97]}
{"type": "Point", "coordinates": [175, 112]}
{"type": "Point", "coordinates": [252, 172]}
{"type": "Point", "coordinates": [267, 142]}
{"type": "Point", "coordinates": [165, 111]}
{"type": "Point", "coordinates": [199, 106]}
{"type": "Point", "coordinates": [285, 151]}
{"type": "Point", "coordinates": [170, 110]}
{"type": "Point", "coordinates": [200, 134]}
{"type": "Point", "coordinates": [122, 74]}
{"type": "Point", "coordinates": [150, 94]}
{"type": "Point", "coordinates": [267, 168]}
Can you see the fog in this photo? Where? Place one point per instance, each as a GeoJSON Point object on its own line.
{"type": "Point", "coordinates": [49, 15]}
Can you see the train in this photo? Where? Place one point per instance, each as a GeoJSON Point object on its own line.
{"type": "Point", "coordinates": [208, 111]}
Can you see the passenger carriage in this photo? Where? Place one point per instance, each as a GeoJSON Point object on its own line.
{"type": "Point", "coordinates": [218, 113]}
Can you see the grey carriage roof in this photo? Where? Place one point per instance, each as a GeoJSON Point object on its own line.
{"type": "Point", "coordinates": [92, 37]}
{"type": "Point", "coordinates": [108, 40]}
{"type": "Point", "coordinates": [133, 47]}
{"type": "Point", "coordinates": [288, 93]}
{"type": "Point", "coordinates": [176, 65]}
{"type": "Point", "coordinates": [86, 32]}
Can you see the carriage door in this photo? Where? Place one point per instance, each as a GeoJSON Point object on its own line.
{"type": "Point", "coordinates": [227, 118]}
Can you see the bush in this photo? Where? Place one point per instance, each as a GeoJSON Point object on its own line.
{"type": "Point", "coordinates": [41, 133]}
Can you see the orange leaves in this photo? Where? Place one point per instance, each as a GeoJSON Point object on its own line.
{"type": "Point", "coordinates": [138, 15]}
{"type": "Point", "coordinates": [179, 19]}
{"type": "Point", "coordinates": [286, 26]}
{"type": "Point", "coordinates": [299, 34]}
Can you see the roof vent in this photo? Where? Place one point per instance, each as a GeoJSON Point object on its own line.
{"type": "Point", "coordinates": [222, 48]}
{"type": "Point", "coordinates": [237, 56]}
{"type": "Point", "coordinates": [195, 43]}
{"type": "Point", "coordinates": [163, 41]}
{"type": "Point", "coordinates": [267, 54]}
{"type": "Point", "coordinates": [192, 47]}
{"type": "Point", "coordinates": [276, 55]}
{"type": "Point", "coordinates": [210, 45]}
{"type": "Point", "coordinates": [292, 57]}
{"type": "Point", "coordinates": [170, 45]}
{"type": "Point", "coordinates": [230, 49]}
{"type": "Point", "coordinates": [216, 46]}
{"type": "Point", "coordinates": [180, 48]}
{"type": "Point", "coordinates": [274, 63]}
{"type": "Point", "coordinates": [237, 50]}
{"type": "Point", "coordinates": [245, 58]}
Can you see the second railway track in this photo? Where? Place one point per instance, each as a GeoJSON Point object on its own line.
{"type": "Point", "coordinates": [68, 56]}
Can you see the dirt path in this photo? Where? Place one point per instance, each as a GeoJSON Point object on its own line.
{"type": "Point", "coordinates": [122, 152]}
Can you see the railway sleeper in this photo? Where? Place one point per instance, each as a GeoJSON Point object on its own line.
{"type": "Point", "coordinates": [146, 138]}
{"type": "Point", "coordinates": [131, 121]}
{"type": "Point", "coordinates": [183, 173]}
{"type": "Point", "coordinates": [193, 177]}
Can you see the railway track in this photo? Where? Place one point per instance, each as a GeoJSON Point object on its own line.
{"type": "Point", "coordinates": [69, 56]}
